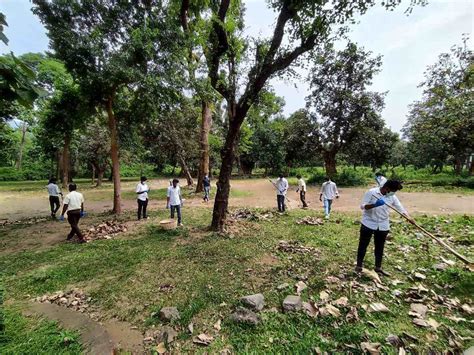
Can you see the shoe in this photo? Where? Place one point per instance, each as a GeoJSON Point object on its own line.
{"type": "Point", "coordinates": [326, 216]}
{"type": "Point", "coordinates": [82, 241]}
{"type": "Point", "coordinates": [180, 225]}
{"type": "Point", "coordinates": [382, 272]}
{"type": "Point", "coordinates": [358, 269]}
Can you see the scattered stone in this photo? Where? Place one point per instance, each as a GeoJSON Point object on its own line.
{"type": "Point", "coordinates": [378, 307]}
{"type": "Point", "coordinates": [295, 248]}
{"type": "Point", "coordinates": [255, 302]}
{"type": "Point", "coordinates": [397, 293]}
{"type": "Point", "coordinates": [311, 221]}
{"type": "Point", "coordinates": [191, 328]}
{"type": "Point", "coordinates": [419, 276]}
{"type": "Point", "coordinates": [341, 302]}
{"type": "Point", "coordinates": [440, 266]}
{"type": "Point", "coordinates": [333, 280]}
{"type": "Point", "coordinates": [323, 296]}
{"type": "Point", "coordinates": [394, 340]}
{"type": "Point", "coordinates": [203, 339]}
{"type": "Point", "coordinates": [352, 315]}
{"type": "Point", "coordinates": [245, 213]}
{"type": "Point", "coordinates": [300, 287]}
{"type": "Point", "coordinates": [283, 286]}
{"type": "Point", "coordinates": [169, 314]}
{"type": "Point", "coordinates": [245, 316]}
{"type": "Point", "coordinates": [292, 303]}
{"type": "Point", "coordinates": [433, 323]}
{"type": "Point", "coordinates": [467, 308]}
{"type": "Point", "coordinates": [160, 348]}
{"type": "Point", "coordinates": [310, 309]}
{"type": "Point", "coordinates": [74, 299]}
{"type": "Point", "coordinates": [418, 310]}
{"type": "Point", "coordinates": [329, 310]}
{"type": "Point", "coordinates": [217, 325]}
{"type": "Point", "coordinates": [420, 322]}
{"type": "Point", "coordinates": [167, 335]}
{"type": "Point", "coordinates": [372, 274]}
{"type": "Point", "coordinates": [370, 348]}
{"type": "Point", "coordinates": [106, 230]}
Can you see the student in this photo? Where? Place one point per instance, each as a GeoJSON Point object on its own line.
{"type": "Point", "coordinates": [328, 192]}
{"type": "Point", "coordinates": [282, 188]}
{"type": "Point", "coordinates": [74, 205]}
{"type": "Point", "coordinates": [174, 200]}
{"type": "Point", "coordinates": [302, 190]}
{"type": "Point", "coordinates": [206, 183]}
{"type": "Point", "coordinates": [375, 221]}
{"type": "Point", "coordinates": [380, 179]}
{"type": "Point", "coordinates": [142, 197]}
{"type": "Point", "coordinates": [54, 192]}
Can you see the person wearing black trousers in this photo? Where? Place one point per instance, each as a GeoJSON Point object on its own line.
{"type": "Point", "coordinates": [375, 221]}
{"type": "Point", "coordinates": [142, 197]}
{"type": "Point", "coordinates": [54, 192]}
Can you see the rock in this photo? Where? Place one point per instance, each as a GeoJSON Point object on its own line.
{"type": "Point", "coordinates": [310, 309]}
{"type": "Point", "coordinates": [378, 307]}
{"type": "Point", "coordinates": [421, 322]}
{"type": "Point", "coordinates": [255, 302]}
{"type": "Point", "coordinates": [283, 286]}
{"type": "Point", "coordinates": [469, 351]}
{"type": "Point", "coordinates": [418, 310]}
{"type": "Point", "coordinates": [341, 302]}
{"type": "Point", "coordinates": [300, 287]}
{"type": "Point", "coordinates": [292, 303]}
{"type": "Point", "coordinates": [203, 339]}
{"type": "Point", "coordinates": [419, 276]}
{"type": "Point", "coordinates": [169, 314]}
{"type": "Point", "coordinates": [394, 340]}
{"type": "Point", "coordinates": [245, 316]}
{"type": "Point", "coordinates": [440, 266]}
{"type": "Point", "coordinates": [167, 335]}
{"type": "Point", "coordinates": [370, 348]}
{"type": "Point", "coordinates": [329, 310]}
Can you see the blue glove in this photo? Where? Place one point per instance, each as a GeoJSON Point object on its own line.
{"type": "Point", "coordinates": [83, 214]}
{"type": "Point", "coordinates": [61, 218]}
{"type": "Point", "coordinates": [379, 202]}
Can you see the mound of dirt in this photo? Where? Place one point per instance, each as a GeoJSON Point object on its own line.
{"type": "Point", "coordinates": [106, 230]}
{"type": "Point", "coordinates": [245, 213]}
{"type": "Point", "coordinates": [310, 221]}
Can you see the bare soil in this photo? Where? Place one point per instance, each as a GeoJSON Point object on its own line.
{"type": "Point", "coordinates": [20, 205]}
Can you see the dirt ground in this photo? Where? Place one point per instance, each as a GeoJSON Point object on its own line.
{"type": "Point", "coordinates": [20, 205]}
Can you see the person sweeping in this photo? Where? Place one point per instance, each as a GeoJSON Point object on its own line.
{"type": "Point", "coordinates": [302, 190]}
{"type": "Point", "coordinates": [74, 205]}
{"type": "Point", "coordinates": [375, 221]}
{"type": "Point", "coordinates": [53, 192]}
{"type": "Point", "coordinates": [281, 186]}
{"type": "Point", "coordinates": [327, 194]}
{"type": "Point", "coordinates": [174, 200]}
{"type": "Point", "coordinates": [142, 197]}
{"type": "Point", "coordinates": [206, 184]}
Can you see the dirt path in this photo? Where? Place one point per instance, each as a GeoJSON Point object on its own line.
{"type": "Point", "coordinates": [19, 205]}
{"type": "Point", "coordinates": [97, 338]}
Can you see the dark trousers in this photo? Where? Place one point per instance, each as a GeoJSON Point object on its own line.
{"type": "Point", "coordinates": [73, 218]}
{"type": "Point", "coordinates": [364, 241]}
{"type": "Point", "coordinates": [142, 208]}
{"type": "Point", "coordinates": [178, 211]}
{"type": "Point", "coordinates": [54, 204]}
{"type": "Point", "coordinates": [281, 203]}
{"type": "Point", "coordinates": [303, 198]}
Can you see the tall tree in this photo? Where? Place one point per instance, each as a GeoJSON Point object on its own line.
{"type": "Point", "coordinates": [340, 101]}
{"type": "Point", "coordinates": [107, 45]}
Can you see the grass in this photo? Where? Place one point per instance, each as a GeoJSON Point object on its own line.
{"type": "Point", "coordinates": [126, 277]}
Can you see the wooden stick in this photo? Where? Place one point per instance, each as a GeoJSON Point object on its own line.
{"type": "Point", "coordinates": [274, 185]}
{"type": "Point", "coordinates": [439, 241]}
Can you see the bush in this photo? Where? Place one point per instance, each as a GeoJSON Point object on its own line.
{"type": "Point", "coordinates": [454, 181]}
{"type": "Point", "coordinates": [135, 170]}
{"type": "Point", "coordinates": [348, 177]}
{"type": "Point", "coordinates": [31, 172]}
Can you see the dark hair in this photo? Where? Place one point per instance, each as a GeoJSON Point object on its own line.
{"type": "Point", "coordinates": [378, 173]}
{"type": "Point", "coordinates": [393, 185]}
{"type": "Point", "coordinates": [175, 181]}
{"type": "Point", "coordinates": [327, 178]}
{"type": "Point", "coordinates": [143, 178]}
{"type": "Point", "coordinates": [281, 175]}
{"type": "Point", "coordinates": [298, 176]}
{"type": "Point", "coordinates": [72, 187]}
{"type": "Point", "coordinates": [52, 181]}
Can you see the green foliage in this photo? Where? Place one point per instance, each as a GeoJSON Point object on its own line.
{"type": "Point", "coordinates": [347, 177]}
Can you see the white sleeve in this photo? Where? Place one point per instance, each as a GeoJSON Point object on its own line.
{"type": "Point", "coordinates": [366, 200]}
{"type": "Point", "coordinates": [335, 189]}
{"type": "Point", "coordinates": [398, 205]}
{"type": "Point", "coordinates": [138, 188]}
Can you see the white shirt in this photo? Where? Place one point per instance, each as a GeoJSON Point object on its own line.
{"type": "Point", "coordinates": [53, 190]}
{"type": "Point", "coordinates": [301, 185]}
{"type": "Point", "coordinates": [381, 180]}
{"type": "Point", "coordinates": [74, 200]}
{"type": "Point", "coordinates": [377, 217]}
{"type": "Point", "coordinates": [282, 186]}
{"type": "Point", "coordinates": [329, 190]}
{"type": "Point", "coordinates": [175, 195]}
{"type": "Point", "coordinates": [142, 188]}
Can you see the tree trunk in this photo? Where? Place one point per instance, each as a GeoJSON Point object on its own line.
{"type": "Point", "coordinates": [100, 177]}
{"type": "Point", "coordinates": [185, 171]}
{"type": "Point", "coordinates": [93, 174]}
{"type": "Point", "coordinates": [22, 145]}
{"type": "Point", "coordinates": [471, 166]}
{"type": "Point", "coordinates": [221, 201]}
{"type": "Point", "coordinates": [65, 160]}
{"type": "Point", "coordinates": [330, 163]}
{"type": "Point", "coordinates": [458, 166]}
{"type": "Point", "coordinates": [206, 122]}
{"type": "Point", "coordinates": [58, 165]}
{"type": "Point", "coordinates": [114, 154]}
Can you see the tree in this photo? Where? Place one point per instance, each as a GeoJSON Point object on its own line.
{"type": "Point", "coordinates": [441, 124]}
{"type": "Point", "coordinates": [340, 103]}
{"type": "Point", "coordinates": [305, 23]}
{"type": "Point", "coordinates": [8, 145]}
{"type": "Point", "coordinates": [108, 46]}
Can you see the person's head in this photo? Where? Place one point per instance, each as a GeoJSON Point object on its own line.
{"type": "Point", "coordinates": [143, 179]}
{"type": "Point", "coordinates": [298, 176]}
{"type": "Point", "coordinates": [72, 187]}
{"type": "Point", "coordinates": [281, 175]}
{"type": "Point", "coordinates": [175, 182]}
{"type": "Point", "coordinates": [52, 181]}
{"type": "Point", "coordinates": [378, 174]}
{"type": "Point", "coordinates": [327, 178]}
{"type": "Point", "coordinates": [390, 187]}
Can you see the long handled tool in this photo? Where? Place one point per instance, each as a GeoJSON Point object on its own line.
{"type": "Point", "coordinates": [439, 241]}
{"type": "Point", "coordinates": [286, 198]}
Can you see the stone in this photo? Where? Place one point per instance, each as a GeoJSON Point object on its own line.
{"type": "Point", "coordinates": [167, 335]}
{"type": "Point", "coordinates": [244, 316]}
{"type": "Point", "coordinates": [169, 314]}
{"type": "Point", "coordinates": [255, 302]}
{"type": "Point", "coordinates": [418, 310]}
{"type": "Point", "coordinates": [440, 266]}
{"type": "Point", "coordinates": [283, 286]}
{"type": "Point", "coordinates": [394, 340]}
{"type": "Point", "coordinates": [292, 303]}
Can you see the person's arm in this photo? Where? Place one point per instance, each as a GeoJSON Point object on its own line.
{"type": "Point", "coordinates": [64, 209]}
{"type": "Point", "coordinates": [139, 190]}
{"type": "Point", "coordinates": [321, 193]}
{"type": "Point", "coordinates": [399, 207]}
{"type": "Point", "coordinates": [365, 205]}
{"type": "Point", "coordinates": [168, 198]}
{"type": "Point", "coordinates": [337, 192]}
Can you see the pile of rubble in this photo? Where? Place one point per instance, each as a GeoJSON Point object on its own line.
{"type": "Point", "coordinates": [74, 299]}
{"type": "Point", "coordinates": [105, 230]}
{"type": "Point", "coordinates": [32, 220]}
{"type": "Point", "coordinates": [294, 247]}
{"type": "Point", "coordinates": [245, 213]}
{"type": "Point", "coordinates": [312, 221]}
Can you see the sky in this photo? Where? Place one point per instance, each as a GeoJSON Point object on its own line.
{"type": "Point", "coordinates": [408, 45]}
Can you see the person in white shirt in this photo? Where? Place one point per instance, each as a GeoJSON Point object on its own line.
{"type": "Point", "coordinates": [142, 197]}
{"type": "Point", "coordinates": [302, 190]}
{"type": "Point", "coordinates": [327, 194]}
{"type": "Point", "coordinates": [380, 179]}
{"type": "Point", "coordinates": [375, 221]}
{"type": "Point", "coordinates": [282, 188]}
{"type": "Point", "coordinates": [74, 205]}
{"type": "Point", "coordinates": [53, 192]}
{"type": "Point", "coordinates": [174, 200]}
